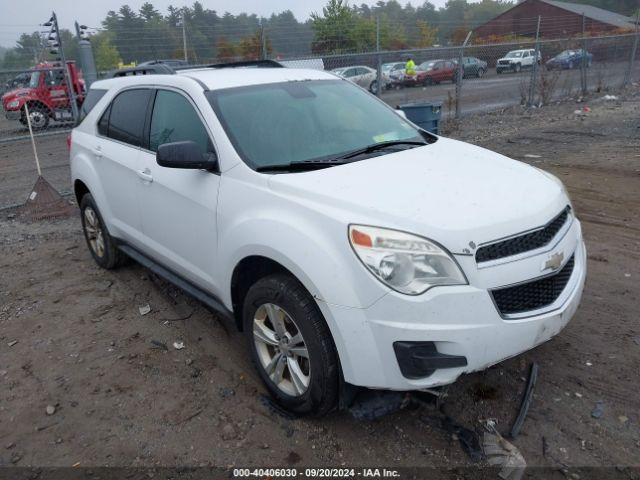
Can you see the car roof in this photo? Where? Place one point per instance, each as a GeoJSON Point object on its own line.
{"type": "Point", "coordinates": [220, 78]}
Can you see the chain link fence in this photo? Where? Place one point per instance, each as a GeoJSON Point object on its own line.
{"type": "Point", "coordinates": [464, 80]}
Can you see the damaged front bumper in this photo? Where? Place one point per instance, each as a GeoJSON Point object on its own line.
{"type": "Point", "coordinates": [411, 343]}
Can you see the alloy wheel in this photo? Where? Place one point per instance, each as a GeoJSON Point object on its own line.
{"type": "Point", "coordinates": [281, 349]}
{"type": "Point", "coordinates": [37, 119]}
{"type": "Point", "coordinates": [93, 231]}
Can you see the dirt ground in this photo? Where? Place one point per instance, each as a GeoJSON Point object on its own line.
{"type": "Point", "coordinates": [84, 348]}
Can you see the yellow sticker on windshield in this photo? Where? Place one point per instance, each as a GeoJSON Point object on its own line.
{"type": "Point", "coordinates": [386, 137]}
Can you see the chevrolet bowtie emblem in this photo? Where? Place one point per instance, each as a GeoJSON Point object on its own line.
{"type": "Point", "coordinates": [554, 262]}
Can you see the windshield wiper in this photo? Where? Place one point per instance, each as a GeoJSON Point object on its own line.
{"type": "Point", "coordinates": [378, 146]}
{"type": "Point", "coordinates": [300, 166]}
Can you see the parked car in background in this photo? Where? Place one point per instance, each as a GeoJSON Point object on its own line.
{"type": "Point", "coordinates": [516, 60]}
{"type": "Point", "coordinates": [46, 95]}
{"type": "Point", "coordinates": [360, 75]}
{"type": "Point", "coordinates": [392, 74]}
{"type": "Point", "coordinates": [432, 72]}
{"type": "Point", "coordinates": [19, 81]}
{"type": "Point", "coordinates": [473, 67]}
{"type": "Point", "coordinates": [569, 59]}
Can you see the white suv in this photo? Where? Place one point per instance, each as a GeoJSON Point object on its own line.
{"type": "Point", "coordinates": [516, 60]}
{"type": "Point", "coordinates": [352, 247]}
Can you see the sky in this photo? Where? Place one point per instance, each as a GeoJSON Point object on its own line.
{"type": "Point", "coordinates": [19, 16]}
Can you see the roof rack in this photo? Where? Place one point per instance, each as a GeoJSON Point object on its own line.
{"type": "Point", "coordinates": [155, 69]}
{"type": "Point", "coordinates": [248, 63]}
{"type": "Point", "coordinates": [164, 69]}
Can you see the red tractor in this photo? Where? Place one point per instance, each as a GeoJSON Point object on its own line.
{"type": "Point", "coordinates": [46, 95]}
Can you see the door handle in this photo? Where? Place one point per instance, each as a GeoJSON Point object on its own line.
{"type": "Point", "coordinates": [97, 151]}
{"type": "Point", "coordinates": [145, 175]}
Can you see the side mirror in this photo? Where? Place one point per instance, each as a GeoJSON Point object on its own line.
{"type": "Point", "coordinates": [185, 154]}
{"type": "Point", "coordinates": [401, 113]}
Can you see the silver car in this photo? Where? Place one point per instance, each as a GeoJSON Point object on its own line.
{"type": "Point", "coordinates": [361, 75]}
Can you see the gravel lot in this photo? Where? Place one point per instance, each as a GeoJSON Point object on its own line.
{"type": "Point", "coordinates": [84, 348]}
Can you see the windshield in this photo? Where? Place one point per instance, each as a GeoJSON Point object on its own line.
{"type": "Point", "coordinates": [281, 123]}
{"type": "Point", "coordinates": [35, 78]}
{"type": "Point", "coordinates": [427, 65]}
{"type": "Point", "coordinates": [513, 55]}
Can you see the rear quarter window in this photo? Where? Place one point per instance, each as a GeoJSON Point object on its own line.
{"type": "Point", "coordinates": [93, 97]}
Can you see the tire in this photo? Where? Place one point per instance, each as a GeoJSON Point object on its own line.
{"type": "Point", "coordinates": [39, 117]}
{"type": "Point", "coordinates": [480, 73]}
{"type": "Point", "coordinates": [282, 297]}
{"type": "Point", "coordinates": [570, 65]}
{"type": "Point", "coordinates": [517, 68]}
{"type": "Point", "coordinates": [373, 86]}
{"type": "Point", "coordinates": [101, 245]}
{"type": "Point", "coordinates": [498, 71]}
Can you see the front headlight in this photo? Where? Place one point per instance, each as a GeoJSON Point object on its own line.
{"type": "Point", "coordinates": [407, 263]}
{"type": "Point", "coordinates": [13, 104]}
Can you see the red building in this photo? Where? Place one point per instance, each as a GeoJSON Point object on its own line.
{"type": "Point", "coordinates": [558, 20]}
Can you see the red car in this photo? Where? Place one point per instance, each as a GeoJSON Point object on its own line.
{"type": "Point", "coordinates": [46, 95]}
{"type": "Point", "coordinates": [432, 72]}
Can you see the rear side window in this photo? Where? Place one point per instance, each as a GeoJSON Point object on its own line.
{"type": "Point", "coordinates": [127, 115]}
{"type": "Point", "coordinates": [175, 120]}
{"type": "Point", "coordinates": [90, 101]}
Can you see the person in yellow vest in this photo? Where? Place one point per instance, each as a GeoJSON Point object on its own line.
{"type": "Point", "coordinates": [410, 67]}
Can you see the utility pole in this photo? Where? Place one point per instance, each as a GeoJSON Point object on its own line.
{"type": "Point", "coordinates": [460, 75]}
{"type": "Point", "coordinates": [65, 68]}
{"type": "Point", "coordinates": [534, 66]}
{"type": "Point", "coordinates": [263, 41]}
{"type": "Point", "coordinates": [379, 79]}
{"type": "Point", "coordinates": [85, 56]}
{"type": "Point", "coordinates": [634, 49]}
{"type": "Point", "coordinates": [583, 59]}
{"type": "Point", "coordinates": [184, 37]}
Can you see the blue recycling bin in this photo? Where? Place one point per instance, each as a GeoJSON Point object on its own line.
{"type": "Point", "coordinates": [426, 115]}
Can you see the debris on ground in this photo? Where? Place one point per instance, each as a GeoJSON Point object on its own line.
{"type": "Point", "coordinates": [610, 97]}
{"type": "Point", "coordinates": [178, 345]}
{"type": "Point", "coordinates": [526, 401]}
{"type": "Point", "coordinates": [50, 409]}
{"type": "Point", "coordinates": [159, 344]}
{"type": "Point", "coordinates": [468, 438]}
{"type": "Point", "coordinates": [144, 309]}
{"type": "Point", "coordinates": [531, 155]}
{"type": "Point", "coordinates": [12, 343]}
{"type": "Point", "coordinates": [226, 392]}
{"type": "Point", "coordinates": [598, 410]}
{"type": "Point", "coordinates": [502, 454]}
{"type": "Point", "coordinates": [374, 404]}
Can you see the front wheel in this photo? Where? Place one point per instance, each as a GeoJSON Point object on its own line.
{"type": "Point", "coordinates": [480, 73]}
{"type": "Point", "coordinates": [291, 345]}
{"type": "Point", "coordinates": [517, 68]}
{"type": "Point", "coordinates": [373, 87]}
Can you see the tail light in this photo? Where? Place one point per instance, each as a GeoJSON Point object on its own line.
{"type": "Point", "coordinates": [69, 142]}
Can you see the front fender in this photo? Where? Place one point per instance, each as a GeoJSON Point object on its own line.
{"type": "Point", "coordinates": [330, 273]}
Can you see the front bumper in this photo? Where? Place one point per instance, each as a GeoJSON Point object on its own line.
{"type": "Point", "coordinates": [461, 322]}
{"type": "Point", "coordinates": [12, 114]}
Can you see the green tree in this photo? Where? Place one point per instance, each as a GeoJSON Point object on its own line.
{"type": "Point", "coordinates": [333, 28]}
{"type": "Point", "coordinates": [225, 50]}
{"type": "Point", "coordinates": [427, 36]}
{"type": "Point", "coordinates": [105, 53]}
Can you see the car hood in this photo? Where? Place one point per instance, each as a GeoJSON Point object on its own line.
{"type": "Point", "coordinates": [455, 193]}
{"type": "Point", "coordinates": [18, 92]}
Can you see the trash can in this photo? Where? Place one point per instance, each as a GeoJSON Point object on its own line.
{"type": "Point", "coordinates": [425, 115]}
